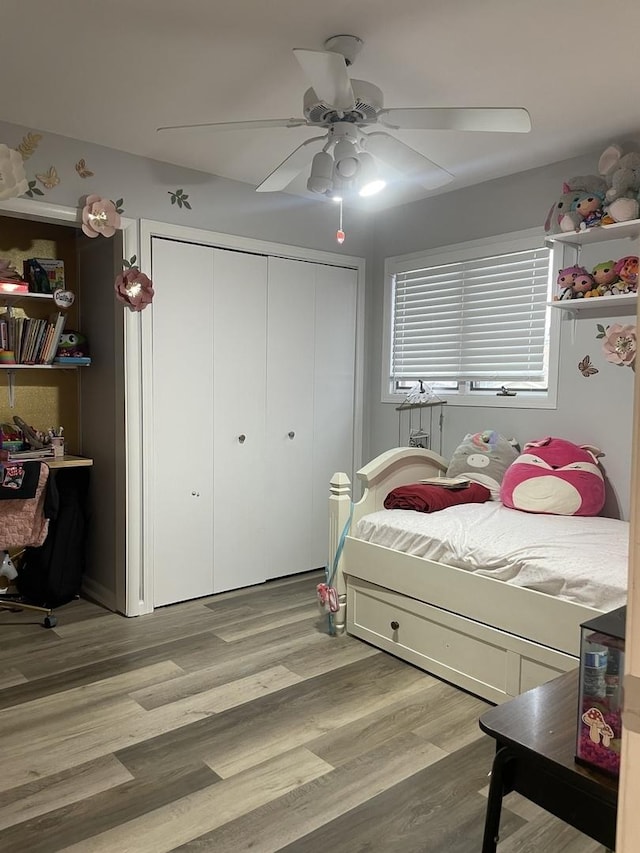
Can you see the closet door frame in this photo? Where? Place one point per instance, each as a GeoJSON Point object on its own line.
{"type": "Point", "coordinates": [140, 574]}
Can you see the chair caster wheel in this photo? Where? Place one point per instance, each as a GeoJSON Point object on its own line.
{"type": "Point", "coordinates": [49, 621]}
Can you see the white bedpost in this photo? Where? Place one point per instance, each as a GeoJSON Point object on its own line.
{"type": "Point", "coordinates": [339, 512]}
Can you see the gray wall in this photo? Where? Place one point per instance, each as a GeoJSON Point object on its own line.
{"type": "Point", "coordinates": [597, 410]}
{"type": "Point", "coordinates": [217, 204]}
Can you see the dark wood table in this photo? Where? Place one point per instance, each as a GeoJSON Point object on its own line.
{"type": "Point", "coordinates": [535, 737]}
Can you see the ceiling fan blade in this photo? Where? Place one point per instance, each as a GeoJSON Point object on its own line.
{"type": "Point", "coordinates": [239, 125]}
{"type": "Point", "coordinates": [327, 73]}
{"type": "Point", "coordinates": [290, 168]}
{"type": "Point", "coordinates": [406, 160]}
{"type": "Point", "coordinates": [496, 119]}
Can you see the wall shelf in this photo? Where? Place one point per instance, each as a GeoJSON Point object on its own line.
{"type": "Point", "coordinates": [599, 234]}
{"type": "Point", "coordinates": [597, 304]}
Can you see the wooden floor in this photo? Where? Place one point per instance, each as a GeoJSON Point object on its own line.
{"type": "Point", "coordinates": [235, 723]}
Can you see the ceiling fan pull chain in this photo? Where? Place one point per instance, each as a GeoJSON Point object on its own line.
{"type": "Point", "coordinates": [340, 235]}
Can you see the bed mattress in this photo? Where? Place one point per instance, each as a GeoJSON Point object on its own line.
{"type": "Point", "coordinates": [580, 559]}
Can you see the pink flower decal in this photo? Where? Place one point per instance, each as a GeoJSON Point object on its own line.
{"type": "Point", "coordinates": [99, 216]}
{"type": "Point", "coordinates": [134, 288]}
{"type": "Point", "coordinates": [619, 344]}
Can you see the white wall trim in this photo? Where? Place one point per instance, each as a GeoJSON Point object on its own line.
{"type": "Point", "coordinates": [148, 230]}
{"type": "Point", "coordinates": [24, 208]}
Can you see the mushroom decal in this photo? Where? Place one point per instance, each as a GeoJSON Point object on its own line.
{"type": "Point", "coordinates": [597, 725]}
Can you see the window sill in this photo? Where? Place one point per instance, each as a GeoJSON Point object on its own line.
{"type": "Point", "coordinates": [488, 401]}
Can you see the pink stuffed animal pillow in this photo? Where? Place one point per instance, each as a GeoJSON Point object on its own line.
{"type": "Point", "coordinates": [555, 476]}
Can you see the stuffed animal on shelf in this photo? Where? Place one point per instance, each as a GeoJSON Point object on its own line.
{"type": "Point", "coordinates": [563, 215]}
{"type": "Point", "coordinates": [621, 172]}
{"type": "Point", "coordinates": [72, 344]}
{"type": "Point", "coordinates": [557, 477]}
{"type": "Point", "coordinates": [606, 278]}
{"type": "Point", "coordinates": [483, 457]}
{"type": "Point", "coordinates": [574, 283]}
{"type": "Point", "coordinates": [627, 271]}
{"type": "Point", "coordinates": [590, 209]}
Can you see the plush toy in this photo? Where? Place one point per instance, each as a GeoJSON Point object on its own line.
{"type": "Point", "coordinates": [590, 209]}
{"type": "Point", "coordinates": [627, 270]}
{"type": "Point", "coordinates": [563, 215]}
{"type": "Point", "coordinates": [557, 477]}
{"type": "Point", "coordinates": [606, 278]}
{"type": "Point", "coordinates": [621, 172]}
{"type": "Point", "coordinates": [620, 210]}
{"type": "Point", "coordinates": [72, 344]}
{"type": "Point", "coordinates": [483, 457]}
{"type": "Point", "coordinates": [574, 283]}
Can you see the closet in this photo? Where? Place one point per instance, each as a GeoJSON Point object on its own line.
{"type": "Point", "coordinates": [253, 410]}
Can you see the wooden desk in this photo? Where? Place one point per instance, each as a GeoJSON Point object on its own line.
{"type": "Point", "coordinates": [535, 737]}
{"type": "Point", "coordinates": [67, 461]}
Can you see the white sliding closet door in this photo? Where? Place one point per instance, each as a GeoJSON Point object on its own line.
{"type": "Point", "coordinates": [334, 393]}
{"type": "Point", "coordinates": [182, 510]}
{"type": "Point", "coordinates": [240, 389]}
{"type": "Point", "coordinates": [290, 373]}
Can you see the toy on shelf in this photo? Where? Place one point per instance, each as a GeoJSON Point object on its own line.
{"type": "Point", "coordinates": [606, 278]}
{"type": "Point", "coordinates": [609, 278]}
{"type": "Point", "coordinates": [564, 215]}
{"type": "Point", "coordinates": [73, 348]}
{"type": "Point", "coordinates": [627, 271]}
{"type": "Point", "coordinates": [574, 283]}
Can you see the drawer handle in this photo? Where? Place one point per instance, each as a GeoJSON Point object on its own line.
{"type": "Point", "coordinates": [395, 625]}
{"type": "Point", "coordinates": [242, 438]}
{"type": "Point", "coordinates": [291, 434]}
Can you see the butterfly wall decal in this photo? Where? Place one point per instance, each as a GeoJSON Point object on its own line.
{"type": "Point", "coordinates": [81, 169]}
{"type": "Point", "coordinates": [586, 368]}
{"type": "Point", "coordinates": [49, 179]}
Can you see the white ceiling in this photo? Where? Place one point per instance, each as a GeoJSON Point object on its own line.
{"type": "Point", "coordinates": [110, 72]}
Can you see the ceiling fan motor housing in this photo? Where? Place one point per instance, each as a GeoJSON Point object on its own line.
{"type": "Point", "coordinates": [369, 101]}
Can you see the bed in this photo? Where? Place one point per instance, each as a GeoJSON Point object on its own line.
{"type": "Point", "coordinates": [480, 627]}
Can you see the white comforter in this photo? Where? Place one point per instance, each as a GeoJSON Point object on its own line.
{"type": "Point", "coordinates": [579, 559]}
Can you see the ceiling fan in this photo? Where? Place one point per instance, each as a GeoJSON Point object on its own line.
{"type": "Point", "coordinates": [346, 156]}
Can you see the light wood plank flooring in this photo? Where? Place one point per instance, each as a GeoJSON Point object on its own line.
{"type": "Point", "coordinates": [235, 723]}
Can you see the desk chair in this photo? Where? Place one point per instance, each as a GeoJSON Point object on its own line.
{"type": "Point", "coordinates": [23, 523]}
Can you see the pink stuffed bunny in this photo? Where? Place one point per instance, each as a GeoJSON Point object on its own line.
{"type": "Point", "coordinates": [557, 477]}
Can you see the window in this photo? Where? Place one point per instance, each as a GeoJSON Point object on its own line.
{"type": "Point", "coordinates": [473, 321]}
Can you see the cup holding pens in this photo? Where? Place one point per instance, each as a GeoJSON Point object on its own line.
{"type": "Point", "coordinates": [57, 444]}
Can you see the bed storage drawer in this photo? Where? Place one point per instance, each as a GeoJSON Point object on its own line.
{"type": "Point", "coordinates": [484, 660]}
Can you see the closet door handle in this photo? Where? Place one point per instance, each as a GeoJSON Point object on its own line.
{"type": "Point", "coordinates": [291, 434]}
{"type": "Point", "coordinates": [242, 438]}
{"type": "Point", "coordinates": [395, 625]}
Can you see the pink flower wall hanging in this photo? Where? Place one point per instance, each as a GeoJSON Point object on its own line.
{"type": "Point", "coordinates": [619, 344]}
{"type": "Point", "coordinates": [133, 287]}
{"type": "Point", "coordinates": [99, 216]}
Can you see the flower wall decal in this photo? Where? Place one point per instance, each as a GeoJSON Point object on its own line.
{"type": "Point", "coordinates": [13, 181]}
{"type": "Point", "coordinates": [133, 288]}
{"type": "Point", "coordinates": [99, 216]}
{"type": "Point", "coordinates": [619, 344]}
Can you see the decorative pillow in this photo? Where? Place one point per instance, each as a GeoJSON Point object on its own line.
{"type": "Point", "coordinates": [483, 457]}
{"type": "Point", "coordinates": [557, 477]}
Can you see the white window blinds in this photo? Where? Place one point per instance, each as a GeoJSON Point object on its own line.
{"type": "Point", "coordinates": [481, 320]}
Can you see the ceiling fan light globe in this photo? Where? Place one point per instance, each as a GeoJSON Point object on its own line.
{"type": "Point", "coordinates": [321, 178]}
{"type": "Point", "coordinates": [347, 168]}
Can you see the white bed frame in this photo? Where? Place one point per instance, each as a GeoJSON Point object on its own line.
{"type": "Point", "coordinates": [489, 637]}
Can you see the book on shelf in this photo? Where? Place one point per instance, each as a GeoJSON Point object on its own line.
{"type": "Point", "coordinates": [72, 359]}
{"type": "Point", "coordinates": [32, 340]}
